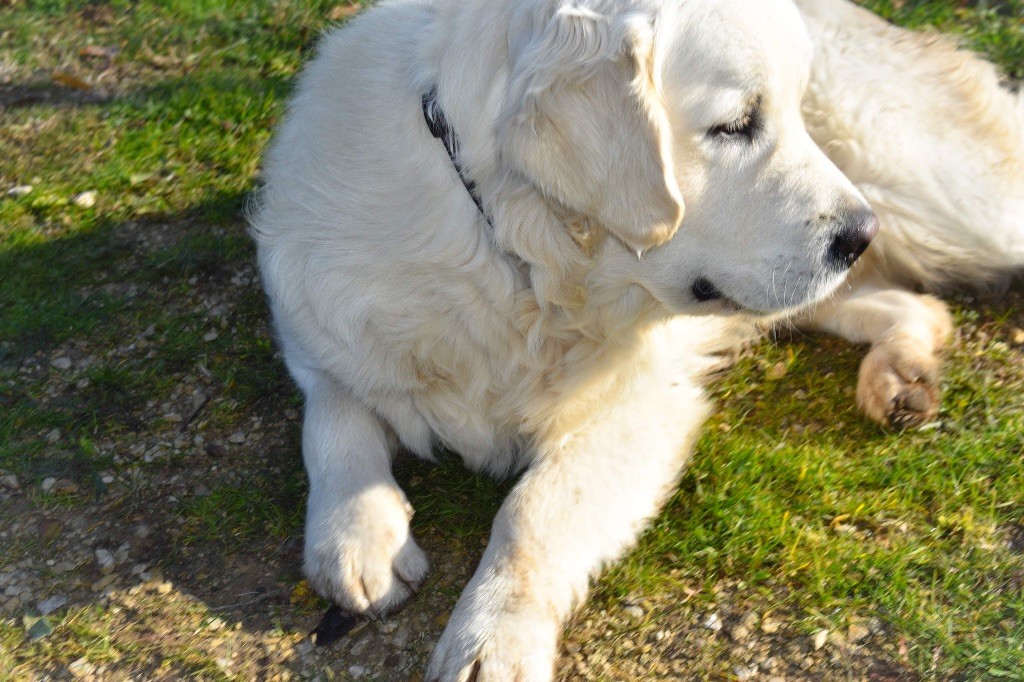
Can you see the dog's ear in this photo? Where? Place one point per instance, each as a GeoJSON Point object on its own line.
{"type": "Point", "coordinates": [584, 121]}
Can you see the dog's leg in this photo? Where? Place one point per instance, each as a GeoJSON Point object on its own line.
{"type": "Point", "coordinates": [899, 378]}
{"type": "Point", "coordinates": [579, 506]}
{"type": "Point", "coordinates": [358, 548]}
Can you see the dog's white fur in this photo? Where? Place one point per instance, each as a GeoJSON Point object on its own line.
{"type": "Point", "coordinates": [568, 340]}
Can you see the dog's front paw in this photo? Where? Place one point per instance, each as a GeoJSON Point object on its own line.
{"type": "Point", "coordinates": [899, 384]}
{"type": "Point", "coordinates": [487, 642]}
{"type": "Point", "coordinates": [359, 552]}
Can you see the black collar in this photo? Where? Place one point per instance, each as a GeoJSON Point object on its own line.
{"type": "Point", "coordinates": [440, 129]}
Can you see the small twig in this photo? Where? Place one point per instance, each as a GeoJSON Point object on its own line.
{"type": "Point", "coordinates": [262, 598]}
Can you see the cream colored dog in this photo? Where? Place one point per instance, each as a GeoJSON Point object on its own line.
{"type": "Point", "coordinates": [630, 185]}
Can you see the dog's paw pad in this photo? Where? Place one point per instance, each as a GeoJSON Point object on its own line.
{"type": "Point", "coordinates": [898, 385]}
{"type": "Point", "coordinates": [914, 404]}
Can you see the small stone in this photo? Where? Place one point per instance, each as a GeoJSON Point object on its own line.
{"type": "Point", "coordinates": [173, 417]}
{"type": "Point", "coordinates": [61, 363]}
{"type": "Point", "coordinates": [743, 673]}
{"type": "Point", "coordinates": [634, 611]}
{"type": "Point", "coordinates": [164, 587]}
{"type": "Point", "coordinates": [777, 371]}
{"type": "Point", "coordinates": [81, 668]}
{"type": "Point", "coordinates": [304, 647]}
{"type": "Point", "coordinates": [770, 627]}
{"type": "Point", "coordinates": [65, 486]}
{"type": "Point", "coordinates": [38, 628]}
{"type": "Point", "coordinates": [53, 437]}
{"type": "Point", "coordinates": [141, 531]}
{"type": "Point", "coordinates": [105, 560]}
{"type": "Point", "coordinates": [857, 632]}
{"type": "Point", "coordinates": [356, 671]}
{"type": "Point", "coordinates": [388, 627]}
{"type": "Point", "coordinates": [211, 335]}
{"type": "Point", "coordinates": [713, 622]}
{"type": "Point", "coordinates": [10, 481]}
{"type": "Point", "coordinates": [237, 438]}
{"type": "Point", "coordinates": [48, 606]}
{"type": "Point", "coordinates": [19, 191]}
{"type": "Point", "coordinates": [48, 483]}
{"type": "Point", "coordinates": [1018, 336]}
{"type": "Point", "coordinates": [740, 633]}
{"type": "Point", "coordinates": [84, 199]}
{"type": "Point", "coordinates": [103, 583]}
{"type": "Point", "coordinates": [819, 639]}
{"type": "Point", "coordinates": [214, 449]}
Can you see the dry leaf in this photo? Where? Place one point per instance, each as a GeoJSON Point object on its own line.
{"type": "Point", "coordinates": [99, 51]}
{"type": "Point", "coordinates": [70, 80]}
{"type": "Point", "coordinates": [341, 11]}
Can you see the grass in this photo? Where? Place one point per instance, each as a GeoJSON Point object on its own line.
{"type": "Point", "coordinates": [792, 498]}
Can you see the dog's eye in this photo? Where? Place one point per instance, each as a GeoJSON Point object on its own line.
{"type": "Point", "coordinates": [744, 128]}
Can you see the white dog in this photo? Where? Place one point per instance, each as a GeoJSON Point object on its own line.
{"type": "Point", "coordinates": [628, 186]}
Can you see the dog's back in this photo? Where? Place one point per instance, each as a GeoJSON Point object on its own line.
{"type": "Point", "coordinates": [931, 137]}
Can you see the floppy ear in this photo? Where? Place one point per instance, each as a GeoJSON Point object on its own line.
{"type": "Point", "coordinates": [585, 123]}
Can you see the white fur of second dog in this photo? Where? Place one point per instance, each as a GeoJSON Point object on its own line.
{"type": "Point", "coordinates": [624, 150]}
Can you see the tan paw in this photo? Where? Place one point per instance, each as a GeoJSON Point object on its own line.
{"type": "Point", "coordinates": [899, 384]}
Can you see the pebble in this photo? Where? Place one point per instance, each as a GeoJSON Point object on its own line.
{"type": "Point", "coordinates": [103, 583]}
{"type": "Point", "coordinates": [65, 486]}
{"type": "Point", "coordinates": [39, 629]}
{"type": "Point", "coordinates": [819, 639]}
{"type": "Point", "coordinates": [48, 484]}
{"type": "Point", "coordinates": [48, 606]}
{"type": "Point", "coordinates": [356, 671]}
{"type": "Point", "coordinates": [84, 199]}
{"type": "Point", "coordinates": [53, 437]}
{"type": "Point", "coordinates": [236, 438]}
{"type": "Point", "coordinates": [743, 673]}
{"type": "Point", "coordinates": [61, 363]}
{"type": "Point", "coordinates": [10, 481]}
{"type": "Point", "coordinates": [713, 622]}
{"type": "Point", "coordinates": [19, 191]}
{"type": "Point", "coordinates": [81, 668]}
{"type": "Point", "coordinates": [857, 632]}
{"type": "Point", "coordinates": [770, 627]}
{"type": "Point", "coordinates": [210, 335]}
{"type": "Point", "coordinates": [740, 633]}
{"type": "Point", "coordinates": [634, 611]}
{"type": "Point", "coordinates": [105, 560]}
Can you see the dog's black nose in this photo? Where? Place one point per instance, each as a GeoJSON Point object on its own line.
{"type": "Point", "coordinates": [859, 228]}
{"type": "Point", "coordinates": [703, 290]}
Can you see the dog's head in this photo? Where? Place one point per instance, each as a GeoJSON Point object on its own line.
{"type": "Point", "coordinates": [676, 128]}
